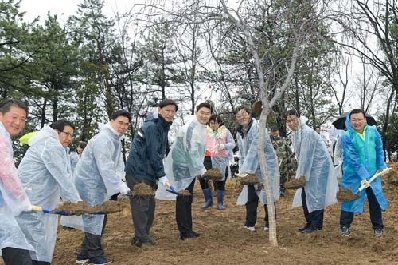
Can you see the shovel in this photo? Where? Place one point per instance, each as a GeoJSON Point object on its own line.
{"type": "Point", "coordinates": [345, 194]}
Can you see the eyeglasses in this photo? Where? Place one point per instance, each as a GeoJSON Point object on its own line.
{"type": "Point", "coordinates": [68, 134]}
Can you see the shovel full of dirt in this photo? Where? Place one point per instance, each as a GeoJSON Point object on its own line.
{"type": "Point", "coordinates": [213, 173]}
{"type": "Point", "coordinates": [80, 208]}
{"type": "Point", "coordinates": [345, 194]}
{"type": "Point", "coordinates": [247, 179]}
{"type": "Point", "coordinates": [295, 183]}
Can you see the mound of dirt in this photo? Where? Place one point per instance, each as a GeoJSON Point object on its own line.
{"type": "Point", "coordinates": [213, 173]}
{"type": "Point", "coordinates": [295, 183]}
{"type": "Point", "coordinates": [345, 194]}
{"type": "Point", "coordinates": [107, 207]}
{"type": "Point", "coordinates": [72, 208]}
{"type": "Point", "coordinates": [143, 190]}
{"type": "Point", "coordinates": [250, 179]}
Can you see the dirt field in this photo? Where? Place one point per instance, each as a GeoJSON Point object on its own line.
{"type": "Point", "coordinates": [224, 241]}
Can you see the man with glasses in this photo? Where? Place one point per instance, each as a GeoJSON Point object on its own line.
{"type": "Point", "coordinates": [99, 175]}
{"type": "Point", "coordinates": [46, 176]}
{"type": "Point", "coordinates": [363, 156]}
{"type": "Point", "coordinates": [13, 199]}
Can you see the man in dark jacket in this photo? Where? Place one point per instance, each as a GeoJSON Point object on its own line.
{"type": "Point", "coordinates": [144, 165]}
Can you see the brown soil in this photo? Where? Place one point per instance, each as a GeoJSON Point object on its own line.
{"type": "Point", "coordinates": [346, 195]}
{"type": "Point", "coordinates": [223, 239]}
{"type": "Point", "coordinates": [249, 179]}
{"type": "Point", "coordinates": [108, 207]}
{"type": "Point", "coordinates": [295, 183]}
{"type": "Point", "coordinates": [213, 173]}
{"type": "Point", "coordinates": [72, 208]}
{"type": "Point", "coordinates": [143, 189]}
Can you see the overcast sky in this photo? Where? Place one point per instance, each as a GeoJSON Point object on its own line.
{"type": "Point", "coordinates": [65, 8]}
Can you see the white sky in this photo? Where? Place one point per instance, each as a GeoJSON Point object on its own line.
{"type": "Point", "coordinates": [65, 8]}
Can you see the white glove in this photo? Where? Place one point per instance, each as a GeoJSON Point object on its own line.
{"type": "Point", "coordinates": [365, 183]}
{"type": "Point", "coordinates": [123, 189]}
{"type": "Point", "coordinates": [165, 181]}
{"type": "Point", "coordinates": [28, 208]}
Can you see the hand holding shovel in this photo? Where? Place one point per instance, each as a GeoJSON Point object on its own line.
{"type": "Point", "coordinates": [345, 194]}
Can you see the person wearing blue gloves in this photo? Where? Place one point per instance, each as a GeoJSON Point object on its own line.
{"type": "Point", "coordinates": [145, 165]}
{"type": "Point", "coordinates": [363, 156]}
{"type": "Point", "coordinates": [184, 163]}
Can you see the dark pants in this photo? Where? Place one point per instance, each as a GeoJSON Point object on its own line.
{"type": "Point", "coordinates": [142, 209]}
{"type": "Point", "coordinates": [91, 245]}
{"type": "Point", "coordinates": [266, 221]}
{"type": "Point", "coordinates": [313, 219]}
{"type": "Point", "coordinates": [251, 206]}
{"type": "Point", "coordinates": [346, 218]}
{"type": "Point", "coordinates": [35, 262]}
{"type": "Point", "coordinates": [16, 256]}
{"type": "Point", "coordinates": [204, 183]}
{"type": "Point", "coordinates": [184, 211]}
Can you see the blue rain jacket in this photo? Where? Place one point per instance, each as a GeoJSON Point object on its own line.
{"type": "Point", "coordinates": [46, 176]}
{"type": "Point", "coordinates": [248, 158]}
{"type": "Point", "coordinates": [13, 198]}
{"type": "Point", "coordinates": [361, 159]}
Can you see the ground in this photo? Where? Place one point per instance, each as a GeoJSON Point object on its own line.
{"type": "Point", "coordinates": [224, 241]}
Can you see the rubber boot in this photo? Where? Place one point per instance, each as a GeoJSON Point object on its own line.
{"type": "Point", "coordinates": [220, 200]}
{"type": "Point", "coordinates": [208, 198]}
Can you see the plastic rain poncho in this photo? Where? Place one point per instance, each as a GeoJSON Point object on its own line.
{"type": "Point", "coordinates": [99, 175]}
{"type": "Point", "coordinates": [46, 177]}
{"type": "Point", "coordinates": [315, 164]}
{"type": "Point", "coordinates": [13, 198]}
{"type": "Point", "coordinates": [249, 163]}
{"type": "Point", "coordinates": [220, 158]}
{"type": "Point", "coordinates": [185, 159]}
{"type": "Point", "coordinates": [361, 159]}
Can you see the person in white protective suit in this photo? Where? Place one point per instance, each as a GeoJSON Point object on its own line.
{"type": "Point", "coordinates": [13, 199]}
{"type": "Point", "coordinates": [46, 176]}
{"type": "Point", "coordinates": [247, 134]}
{"type": "Point", "coordinates": [315, 164]}
{"type": "Point", "coordinates": [99, 177]}
{"type": "Point", "coordinates": [183, 164]}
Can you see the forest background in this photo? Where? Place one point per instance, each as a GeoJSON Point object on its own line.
{"type": "Point", "coordinates": [93, 63]}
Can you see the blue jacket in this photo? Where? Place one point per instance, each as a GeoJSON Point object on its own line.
{"type": "Point", "coordinates": [148, 149]}
{"type": "Point", "coordinates": [361, 159]}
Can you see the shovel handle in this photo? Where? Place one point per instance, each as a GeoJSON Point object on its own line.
{"type": "Point", "coordinates": [376, 175]}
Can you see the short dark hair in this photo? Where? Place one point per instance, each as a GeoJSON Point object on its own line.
{"type": "Point", "coordinates": [59, 125]}
{"type": "Point", "coordinates": [274, 128]}
{"type": "Point", "coordinates": [167, 102]}
{"type": "Point", "coordinates": [292, 112]}
{"type": "Point", "coordinates": [204, 105]}
{"type": "Point", "coordinates": [215, 118]}
{"type": "Point", "coordinates": [356, 111]}
{"type": "Point", "coordinates": [82, 144]}
{"type": "Point", "coordinates": [242, 108]}
{"type": "Point", "coordinates": [122, 112]}
{"type": "Point", "coordinates": [6, 105]}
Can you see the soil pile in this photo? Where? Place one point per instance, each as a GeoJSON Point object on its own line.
{"type": "Point", "coordinates": [249, 179]}
{"type": "Point", "coordinates": [295, 183]}
{"type": "Point", "coordinates": [143, 190]}
{"type": "Point", "coordinates": [72, 208]}
{"type": "Point", "coordinates": [345, 194]}
{"type": "Point", "coordinates": [213, 173]}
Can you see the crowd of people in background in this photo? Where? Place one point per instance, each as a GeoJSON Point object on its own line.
{"type": "Point", "coordinates": [95, 172]}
